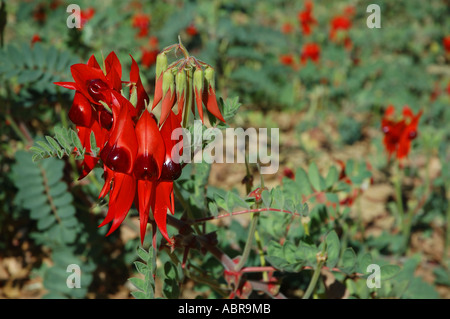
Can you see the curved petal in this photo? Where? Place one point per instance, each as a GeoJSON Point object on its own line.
{"type": "Point", "coordinates": [121, 199]}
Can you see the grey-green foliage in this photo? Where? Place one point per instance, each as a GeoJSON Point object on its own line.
{"type": "Point", "coordinates": [64, 142]}
{"type": "Point", "coordinates": [43, 192]}
{"type": "Point", "coordinates": [34, 69]}
{"type": "Point", "coordinates": [145, 286]}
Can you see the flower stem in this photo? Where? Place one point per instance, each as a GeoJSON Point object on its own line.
{"type": "Point", "coordinates": [16, 128]}
{"type": "Point", "coordinates": [248, 243]}
{"type": "Point", "coordinates": [314, 279]}
{"type": "Point", "coordinates": [398, 196]}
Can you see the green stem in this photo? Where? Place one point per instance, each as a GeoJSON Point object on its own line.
{"type": "Point", "coordinates": [16, 129]}
{"type": "Point", "coordinates": [248, 244]}
{"type": "Point", "coordinates": [313, 282]}
{"type": "Point", "coordinates": [398, 196]}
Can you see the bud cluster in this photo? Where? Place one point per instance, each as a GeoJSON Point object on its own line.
{"type": "Point", "coordinates": [186, 84]}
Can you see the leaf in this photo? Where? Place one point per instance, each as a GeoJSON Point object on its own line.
{"type": "Point", "coordinates": [333, 249]}
{"type": "Point", "coordinates": [266, 198]}
{"type": "Point", "coordinates": [46, 147]}
{"type": "Point", "coordinates": [315, 179]}
{"type": "Point", "coordinates": [332, 177]}
{"type": "Point", "coordinates": [364, 262]}
{"type": "Point", "coordinates": [389, 271]}
{"type": "Point", "coordinates": [138, 283]}
{"type": "Point", "coordinates": [45, 222]}
{"type": "Point", "coordinates": [348, 263]}
{"type": "Point", "coordinates": [94, 148]}
{"type": "Point", "coordinates": [76, 141]}
{"type": "Point", "coordinates": [141, 267]}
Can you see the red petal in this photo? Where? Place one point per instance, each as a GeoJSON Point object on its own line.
{"type": "Point", "coordinates": [83, 74]}
{"type": "Point", "coordinates": [81, 112]}
{"type": "Point", "coordinates": [67, 85]}
{"type": "Point", "coordinates": [199, 102]}
{"type": "Point", "coordinates": [145, 190]}
{"type": "Point", "coordinates": [151, 149]}
{"type": "Point", "coordinates": [212, 106]}
{"type": "Point", "coordinates": [142, 95]}
{"type": "Point", "coordinates": [119, 153]}
{"type": "Point", "coordinates": [162, 203]}
{"type": "Point", "coordinates": [158, 91]}
{"type": "Point", "coordinates": [121, 199]}
{"type": "Point", "coordinates": [113, 63]}
{"type": "Point", "coordinates": [92, 62]}
{"type": "Point", "coordinates": [390, 110]}
{"type": "Point", "coordinates": [108, 175]}
{"type": "Point", "coordinates": [167, 104]}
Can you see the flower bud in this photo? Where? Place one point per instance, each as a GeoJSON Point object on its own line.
{"type": "Point", "coordinates": [198, 79]}
{"type": "Point", "coordinates": [161, 63]}
{"type": "Point", "coordinates": [180, 82]}
{"type": "Point", "coordinates": [209, 76]}
{"type": "Point", "coordinates": [168, 82]}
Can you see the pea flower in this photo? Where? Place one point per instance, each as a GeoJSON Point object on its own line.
{"type": "Point", "coordinates": [398, 134]}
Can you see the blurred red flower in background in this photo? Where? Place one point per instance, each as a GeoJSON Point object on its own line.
{"type": "Point", "coordinates": [341, 24]}
{"type": "Point", "coordinates": [192, 30]}
{"type": "Point", "coordinates": [141, 21]}
{"type": "Point", "coordinates": [36, 38]}
{"type": "Point", "coordinates": [150, 53]}
{"type": "Point", "coordinates": [398, 134]}
{"type": "Point", "coordinates": [446, 43]}
{"type": "Point", "coordinates": [306, 18]}
{"type": "Point", "coordinates": [310, 51]}
{"type": "Point", "coordinates": [287, 59]}
{"type": "Point", "coordinates": [86, 15]}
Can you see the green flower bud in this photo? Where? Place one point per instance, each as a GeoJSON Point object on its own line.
{"type": "Point", "coordinates": [198, 79]}
{"type": "Point", "coordinates": [161, 63]}
{"type": "Point", "coordinates": [168, 81]}
{"type": "Point", "coordinates": [180, 81]}
{"type": "Point", "coordinates": [209, 76]}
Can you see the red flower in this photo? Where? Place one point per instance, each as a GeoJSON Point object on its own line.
{"type": "Point", "coordinates": [138, 162]}
{"type": "Point", "coordinates": [150, 54]}
{"type": "Point", "coordinates": [446, 43]}
{"type": "Point", "coordinates": [35, 38]}
{"type": "Point", "coordinates": [306, 18]}
{"type": "Point", "coordinates": [149, 57]}
{"type": "Point", "coordinates": [86, 15]}
{"type": "Point", "coordinates": [142, 22]}
{"type": "Point", "coordinates": [191, 30]}
{"type": "Point", "coordinates": [399, 134]}
{"type": "Point", "coordinates": [287, 59]}
{"type": "Point", "coordinates": [310, 51]}
{"type": "Point", "coordinates": [341, 24]}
